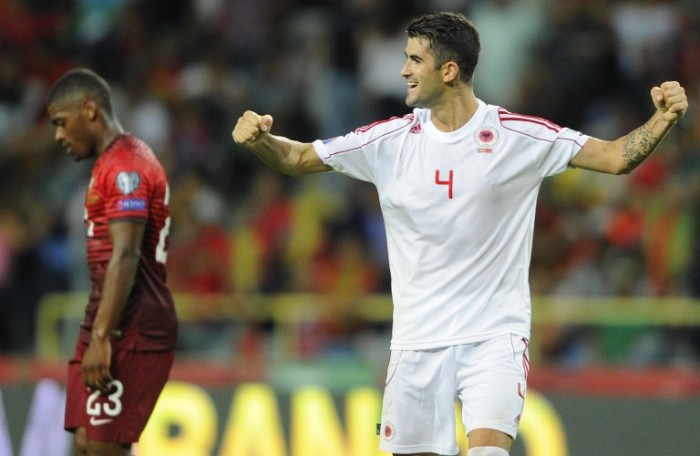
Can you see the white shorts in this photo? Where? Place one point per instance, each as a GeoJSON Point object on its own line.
{"type": "Point", "coordinates": [422, 387]}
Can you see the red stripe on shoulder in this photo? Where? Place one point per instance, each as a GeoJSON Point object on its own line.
{"type": "Point", "coordinates": [408, 117]}
{"type": "Point", "coordinates": [379, 122]}
{"type": "Point", "coordinates": [505, 115]}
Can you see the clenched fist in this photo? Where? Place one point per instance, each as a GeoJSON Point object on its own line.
{"type": "Point", "coordinates": [670, 100]}
{"type": "Point", "coordinates": [249, 127]}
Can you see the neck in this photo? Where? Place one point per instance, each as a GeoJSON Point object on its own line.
{"type": "Point", "coordinates": [457, 108]}
{"type": "Point", "coordinates": [111, 131]}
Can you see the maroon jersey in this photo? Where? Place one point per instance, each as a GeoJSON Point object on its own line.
{"type": "Point", "coordinates": [128, 183]}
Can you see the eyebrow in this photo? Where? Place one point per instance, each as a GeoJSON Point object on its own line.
{"type": "Point", "coordinates": [413, 56]}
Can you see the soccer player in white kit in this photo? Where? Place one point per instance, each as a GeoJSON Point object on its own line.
{"type": "Point", "coordinates": [458, 181]}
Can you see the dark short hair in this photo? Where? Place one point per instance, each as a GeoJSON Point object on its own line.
{"type": "Point", "coordinates": [84, 82]}
{"type": "Point", "coordinates": [452, 37]}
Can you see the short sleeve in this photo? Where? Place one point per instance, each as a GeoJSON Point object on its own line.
{"type": "Point", "coordinates": [356, 153]}
{"type": "Point", "coordinates": [346, 155]}
{"type": "Point", "coordinates": [554, 147]}
{"type": "Point", "coordinates": [564, 147]}
{"type": "Point", "coordinates": [126, 188]}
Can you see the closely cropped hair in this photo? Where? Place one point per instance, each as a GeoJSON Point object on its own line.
{"type": "Point", "coordinates": [452, 37]}
{"type": "Point", "coordinates": [86, 82]}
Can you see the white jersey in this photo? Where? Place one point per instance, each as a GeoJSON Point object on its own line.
{"type": "Point", "coordinates": [459, 212]}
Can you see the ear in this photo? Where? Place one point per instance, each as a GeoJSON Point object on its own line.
{"type": "Point", "coordinates": [89, 109]}
{"type": "Point", "coordinates": [450, 72]}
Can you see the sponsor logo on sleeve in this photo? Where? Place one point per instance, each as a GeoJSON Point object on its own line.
{"type": "Point", "coordinates": [131, 204]}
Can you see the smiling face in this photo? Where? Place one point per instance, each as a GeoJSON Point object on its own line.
{"type": "Point", "coordinates": [426, 84]}
{"type": "Point", "coordinates": [73, 118]}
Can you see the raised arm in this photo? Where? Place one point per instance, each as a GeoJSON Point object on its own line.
{"type": "Point", "coordinates": [295, 158]}
{"type": "Point", "coordinates": [624, 154]}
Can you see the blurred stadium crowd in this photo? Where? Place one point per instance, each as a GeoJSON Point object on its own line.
{"type": "Point", "coordinates": [184, 70]}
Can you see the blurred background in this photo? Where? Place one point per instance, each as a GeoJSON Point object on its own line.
{"type": "Point", "coordinates": [285, 281]}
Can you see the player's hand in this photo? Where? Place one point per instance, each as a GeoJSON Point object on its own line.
{"type": "Point", "coordinates": [96, 363]}
{"type": "Point", "coordinates": [670, 100]}
{"type": "Point", "coordinates": [250, 126]}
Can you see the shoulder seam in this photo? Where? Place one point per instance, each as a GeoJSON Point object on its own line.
{"type": "Point", "coordinates": [505, 115]}
{"type": "Point", "coordinates": [409, 117]}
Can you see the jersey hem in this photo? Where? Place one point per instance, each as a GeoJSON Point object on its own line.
{"type": "Point", "coordinates": [401, 449]}
{"type": "Point", "coordinates": [429, 345]}
{"type": "Point", "coordinates": [511, 430]}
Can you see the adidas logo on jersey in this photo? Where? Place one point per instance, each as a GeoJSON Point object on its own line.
{"type": "Point", "coordinates": [416, 129]}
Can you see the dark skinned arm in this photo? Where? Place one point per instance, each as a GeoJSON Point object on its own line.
{"type": "Point", "coordinates": [126, 237]}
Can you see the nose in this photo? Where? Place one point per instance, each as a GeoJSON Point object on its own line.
{"type": "Point", "coordinates": [59, 136]}
{"type": "Point", "coordinates": [404, 69]}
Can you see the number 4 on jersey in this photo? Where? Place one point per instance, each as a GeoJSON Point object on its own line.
{"type": "Point", "coordinates": [447, 182]}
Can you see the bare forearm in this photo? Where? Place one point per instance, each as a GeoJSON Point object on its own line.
{"type": "Point", "coordinates": [295, 158]}
{"type": "Point", "coordinates": [626, 153]}
{"type": "Point", "coordinates": [279, 153]}
{"type": "Point", "coordinates": [641, 142]}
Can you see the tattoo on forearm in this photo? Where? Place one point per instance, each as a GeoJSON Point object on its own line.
{"type": "Point", "coordinates": [639, 145]}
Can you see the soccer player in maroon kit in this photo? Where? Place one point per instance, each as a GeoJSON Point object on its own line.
{"type": "Point", "coordinates": [127, 340]}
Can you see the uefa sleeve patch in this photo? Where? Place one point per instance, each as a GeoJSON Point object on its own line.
{"type": "Point", "coordinates": [128, 182]}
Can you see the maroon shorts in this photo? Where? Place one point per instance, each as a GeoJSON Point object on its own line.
{"type": "Point", "coordinates": [120, 415]}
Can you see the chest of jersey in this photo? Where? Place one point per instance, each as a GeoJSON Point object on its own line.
{"type": "Point", "coordinates": [429, 183]}
{"type": "Point", "coordinates": [95, 211]}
